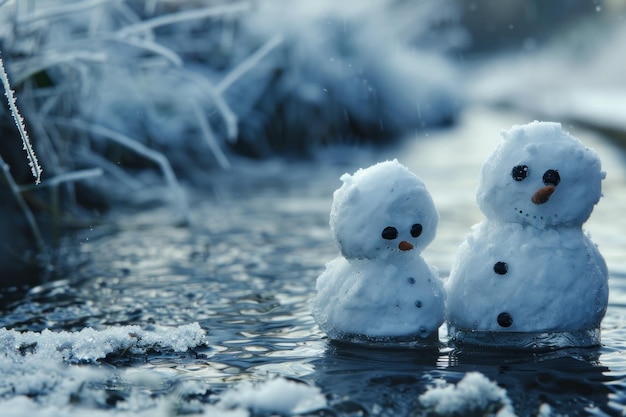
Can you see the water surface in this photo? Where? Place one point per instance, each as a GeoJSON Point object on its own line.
{"type": "Point", "coordinates": [247, 270]}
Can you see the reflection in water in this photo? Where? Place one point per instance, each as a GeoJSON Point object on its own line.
{"type": "Point", "coordinates": [373, 380]}
{"type": "Point", "coordinates": [571, 381]}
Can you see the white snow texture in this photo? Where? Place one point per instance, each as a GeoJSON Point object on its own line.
{"type": "Point", "coordinates": [57, 374]}
{"type": "Point", "coordinates": [381, 218]}
{"type": "Point", "coordinates": [41, 371]}
{"type": "Point", "coordinates": [529, 266]}
{"type": "Point", "coordinates": [277, 395]}
{"type": "Point", "coordinates": [474, 395]}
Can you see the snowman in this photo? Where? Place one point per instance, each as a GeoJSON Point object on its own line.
{"type": "Point", "coordinates": [528, 275]}
{"type": "Point", "coordinates": [380, 289]}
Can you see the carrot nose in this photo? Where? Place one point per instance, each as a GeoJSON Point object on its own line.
{"type": "Point", "coordinates": [404, 246]}
{"type": "Point", "coordinates": [543, 194]}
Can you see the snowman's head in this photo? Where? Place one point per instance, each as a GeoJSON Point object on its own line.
{"type": "Point", "coordinates": [540, 175]}
{"type": "Point", "coordinates": [381, 210]}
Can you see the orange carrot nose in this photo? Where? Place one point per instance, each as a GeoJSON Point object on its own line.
{"type": "Point", "coordinates": [404, 245]}
{"type": "Point", "coordinates": [543, 194]}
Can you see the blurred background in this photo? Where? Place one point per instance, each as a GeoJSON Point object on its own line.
{"type": "Point", "coordinates": [135, 104]}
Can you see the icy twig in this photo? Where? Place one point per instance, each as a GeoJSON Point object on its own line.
{"type": "Point", "coordinates": [67, 177]}
{"type": "Point", "coordinates": [60, 55]}
{"type": "Point", "coordinates": [44, 141]}
{"type": "Point", "coordinates": [216, 92]}
{"type": "Point", "coordinates": [230, 118]}
{"type": "Point", "coordinates": [112, 169]}
{"type": "Point", "coordinates": [35, 169]}
{"type": "Point", "coordinates": [248, 64]}
{"type": "Point", "coordinates": [183, 16]}
{"type": "Point", "coordinates": [150, 6]}
{"type": "Point", "coordinates": [207, 132]}
{"type": "Point", "coordinates": [126, 12]}
{"type": "Point", "coordinates": [141, 149]}
{"type": "Point", "coordinates": [154, 47]}
{"type": "Point", "coordinates": [50, 12]}
{"type": "Point", "coordinates": [27, 68]}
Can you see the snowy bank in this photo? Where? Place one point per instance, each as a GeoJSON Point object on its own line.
{"type": "Point", "coordinates": [89, 345]}
{"type": "Point", "coordinates": [61, 374]}
{"type": "Point", "coordinates": [42, 366]}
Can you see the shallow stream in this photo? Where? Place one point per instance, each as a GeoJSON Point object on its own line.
{"type": "Point", "coordinates": [246, 271]}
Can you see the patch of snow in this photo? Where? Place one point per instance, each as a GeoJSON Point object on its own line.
{"type": "Point", "coordinates": [276, 395]}
{"type": "Point", "coordinates": [544, 410]}
{"type": "Point", "coordinates": [58, 374]}
{"type": "Point", "coordinates": [53, 373]}
{"type": "Point", "coordinates": [89, 345]}
{"type": "Point", "coordinates": [475, 394]}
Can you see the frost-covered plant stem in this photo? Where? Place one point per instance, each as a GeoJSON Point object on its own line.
{"type": "Point", "coordinates": [229, 117]}
{"type": "Point", "coordinates": [208, 135]}
{"type": "Point", "coordinates": [248, 64]}
{"type": "Point", "coordinates": [53, 11]}
{"type": "Point", "coordinates": [35, 169]}
{"type": "Point", "coordinates": [32, 161]}
{"type": "Point", "coordinates": [67, 177]}
{"type": "Point", "coordinates": [183, 16]}
{"type": "Point", "coordinates": [160, 159]}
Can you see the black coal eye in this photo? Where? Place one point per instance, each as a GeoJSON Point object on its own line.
{"type": "Point", "coordinates": [500, 268]}
{"type": "Point", "coordinates": [551, 177]}
{"type": "Point", "coordinates": [390, 233]}
{"type": "Point", "coordinates": [519, 172]}
{"type": "Point", "coordinates": [416, 230]}
{"type": "Point", "coordinates": [505, 320]}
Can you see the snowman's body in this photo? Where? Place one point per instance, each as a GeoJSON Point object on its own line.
{"type": "Point", "coordinates": [529, 267]}
{"type": "Point", "coordinates": [380, 288]}
{"type": "Point", "coordinates": [530, 283]}
{"type": "Point", "coordinates": [374, 300]}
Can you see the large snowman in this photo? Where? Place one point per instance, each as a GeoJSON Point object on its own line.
{"type": "Point", "coordinates": [380, 289]}
{"type": "Point", "coordinates": [528, 267]}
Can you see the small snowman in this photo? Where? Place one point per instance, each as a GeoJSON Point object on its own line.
{"type": "Point", "coordinates": [528, 271]}
{"type": "Point", "coordinates": [380, 289]}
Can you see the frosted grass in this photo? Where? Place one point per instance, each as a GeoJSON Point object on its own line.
{"type": "Point", "coordinates": [50, 12]}
{"type": "Point", "coordinates": [177, 192]}
{"type": "Point", "coordinates": [209, 136]}
{"type": "Point", "coordinates": [247, 65]}
{"type": "Point", "coordinates": [59, 41]}
{"type": "Point", "coordinates": [151, 24]}
{"type": "Point", "coordinates": [194, 83]}
{"type": "Point", "coordinates": [33, 163]}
